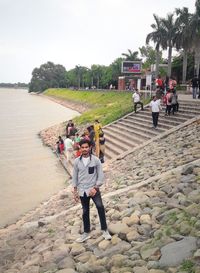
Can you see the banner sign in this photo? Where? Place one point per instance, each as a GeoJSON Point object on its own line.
{"type": "Point", "coordinates": [133, 67]}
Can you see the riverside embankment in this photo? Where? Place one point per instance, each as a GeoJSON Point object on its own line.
{"type": "Point", "coordinates": [152, 201]}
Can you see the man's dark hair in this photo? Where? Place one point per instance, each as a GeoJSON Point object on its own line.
{"type": "Point", "coordinates": [84, 141]}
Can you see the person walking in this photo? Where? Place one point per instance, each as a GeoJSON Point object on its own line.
{"type": "Point", "coordinates": [155, 109]}
{"type": "Point", "coordinates": [195, 85]}
{"type": "Point", "coordinates": [136, 99]}
{"type": "Point", "coordinates": [86, 180]}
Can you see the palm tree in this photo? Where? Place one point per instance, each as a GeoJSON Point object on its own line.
{"type": "Point", "coordinates": [131, 55]}
{"type": "Point", "coordinates": [157, 37]}
{"type": "Point", "coordinates": [183, 39]}
{"type": "Point", "coordinates": [96, 72]}
{"type": "Point", "coordinates": [195, 35]}
{"type": "Point", "coordinates": [170, 36]}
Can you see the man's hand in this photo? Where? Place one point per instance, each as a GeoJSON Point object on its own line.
{"type": "Point", "coordinates": [92, 192]}
{"type": "Point", "coordinates": [75, 195]}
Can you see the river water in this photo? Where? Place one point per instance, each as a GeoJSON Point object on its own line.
{"type": "Point", "coordinates": [29, 171]}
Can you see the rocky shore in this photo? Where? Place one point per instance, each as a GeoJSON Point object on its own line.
{"type": "Point", "coordinates": [152, 202]}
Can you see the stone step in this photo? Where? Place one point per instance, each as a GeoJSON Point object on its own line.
{"type": "Point", "coordinates": [127, 134]}
{"type": "Point", "coordinates": [125, 126]}
{"type": "Point", "coordinates": [111, 151]}
{"type": "Point", "coordinates": [143, 127]}
{"type": "Point", "coordinates": [148, 122]}
{"type": "Point", "coordinates": [187, 107]}
{"type": "Point", "coordinates": [177, 119]}
{"type": "Point", "coordinates": [119, 136]}
{"type": "Point", "coordinates": [149, 133]}
{"type": "Point", "coordinates": [191, 102]}
{"type": "Point", "coordinates": [162, 119]}
{"type": "Point", "coordinates": [184, 110]}
{"type": "Point", "coordinates": [111, 139]}
{"type": "Point", "coordinates": [189, 112]}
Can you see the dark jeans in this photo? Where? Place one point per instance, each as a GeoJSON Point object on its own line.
{"type": "Point", "coordinates": [168, 109]}
{"type": "Point", "coordinates": [175, 108]}
{"type": "Point", "coordinates": [136, 103]}
{"type": "Point", "coordinates": [155, 116]}
{"type": "Point", "coordinates": [85, 201]}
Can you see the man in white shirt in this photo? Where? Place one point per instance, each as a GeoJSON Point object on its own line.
{"type": "Point", "coordinates": [68, 148]}
{"type": "Point", "coordinates": [136, 99]}
{"type": "Point", "coordinates": [155, 109]}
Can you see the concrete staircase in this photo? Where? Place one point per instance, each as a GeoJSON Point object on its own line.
{"type": "Point", "coordinates": [135, 129]}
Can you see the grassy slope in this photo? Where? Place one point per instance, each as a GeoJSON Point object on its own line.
{"type": "Point", "coordinates": [104, 105]}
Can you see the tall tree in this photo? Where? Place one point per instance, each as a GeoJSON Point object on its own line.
{"type": "Point", "coordinates": [48, 75]}
{"type": "Point", "coordinates": [157, 36]}
{"type": "Point", "coordinates": [195, 35]}
{"type": "Point", "coordinates": [183, 39]}
{"type": "Point", "coordinates": [169, 26]}
{"type": "Point", "coordinates": [96, 71]}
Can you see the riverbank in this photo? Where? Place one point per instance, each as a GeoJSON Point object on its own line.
{"type": "Point", "coordinates": [49, 136]}
{"type": "Point", "coordinates": [153, 210]}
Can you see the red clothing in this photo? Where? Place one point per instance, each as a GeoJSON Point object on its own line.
{"type": "Point", "coordinates": [169, 96]}
{"type": "Point", "coordinates": [159, 82]}
{"type": "Point", "coordinates": [172, 84]}
{"type": "Point", "coordinates": [78, 153]}
{"type": "Point", "coordinates": [62, 147]}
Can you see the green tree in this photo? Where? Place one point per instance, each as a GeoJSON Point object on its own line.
{"type": "Point", "coordinates": [195, 35]}
{"type": "Point", "coordinates": [96, 72]}
{"type": "Point", "coordinates": [116, 70]}
{"type": "Point", "coordinates": [170, 29]}
{"type": "Point", "coordinates": [48, 75]}
{"type": "Point", "coordinates": [131, 55]}
{"type": "Point", "coordinates": [157, 36]}
{"type": "Point", "coordinates": [149, 54]}
{"type": "Point", "coordinates": [183, 39]}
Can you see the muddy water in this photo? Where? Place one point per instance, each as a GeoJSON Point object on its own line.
{"type": "Point", "coordinates": [29, 172]}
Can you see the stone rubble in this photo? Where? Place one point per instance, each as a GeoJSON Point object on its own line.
{"type": "Point", "coordinates": [155, 228]}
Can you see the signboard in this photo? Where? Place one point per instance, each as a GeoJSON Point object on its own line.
{"type": "Point", "coordinates": [133, 67]}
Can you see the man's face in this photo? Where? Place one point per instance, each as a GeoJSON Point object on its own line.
{"type": "Point", "coordinates": [85, 149]}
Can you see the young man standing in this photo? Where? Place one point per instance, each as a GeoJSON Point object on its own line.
{"type": "Point", "coordinates": [86, 180]}
{"type": "Point", "coordinates": [195, 84]}
{"type": "Point", "coordinates": [136, 99]}
{"type": "Point", "coordinates": [155, 109]}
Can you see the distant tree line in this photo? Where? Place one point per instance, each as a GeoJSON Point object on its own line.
{"type": "Point", "coordinates": [14, 85]}
{"type": "Point", "coordinates": [180, 30]}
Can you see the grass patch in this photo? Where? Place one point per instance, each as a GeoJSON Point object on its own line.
{"type": "Point", "coordinates": [104, 105]}
{"type": "Point", "coordinates": [188, 266]}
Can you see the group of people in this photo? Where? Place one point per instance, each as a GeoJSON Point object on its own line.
{"type": "Point", "coordinates": [165, 93]}
{"type": "Point", "coordinates": [70, 146]}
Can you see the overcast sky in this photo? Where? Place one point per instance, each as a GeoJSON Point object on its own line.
{"type": "Point", "coordinates": [72, 32]}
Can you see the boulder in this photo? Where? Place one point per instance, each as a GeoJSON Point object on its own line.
{"type": "Point", "coordinates": [175, 253]}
